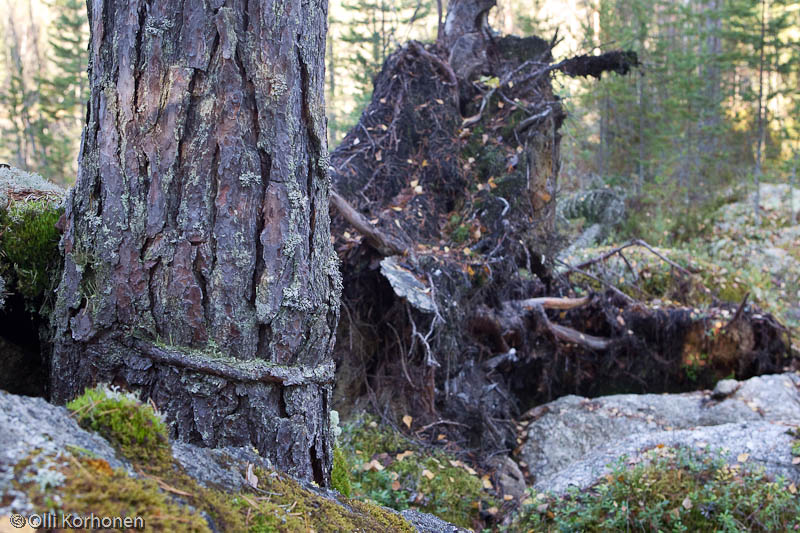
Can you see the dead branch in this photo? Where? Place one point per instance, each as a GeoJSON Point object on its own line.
{"type": "Point", "coordinates": [234, 369]}
{"type": "Point", "coordinates": [618, 249]}
{"type": "Point", "coordinates": [551, 302]}
{"type": "Point", "coordinates": [444, 65]}
{"type": "Point", "coordinates": [603, 282]}
{"type": "Point", "coordinates": [567, 334]}
{"type": "Point", "coordinates": [385, 244]}
{"type": "Point", "coordinates": [738, 312]}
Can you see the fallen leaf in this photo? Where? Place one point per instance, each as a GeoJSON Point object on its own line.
{"type": "Point", "coordinates": [395, 485]}
{"type": "Point", "coordinates": [403, 455]}
{"type": "Point", "coordinates": [407, 419]}
{"type": "Point", "coordinates": [418, 189]}
{"type": "Point", "coordinates": [356, 141]}
{"type": "Point", "coordinates": [378, 156]}
{"type": "Point", "coordinates": [492, 510]}
{"type": "Point", "coordinates": [439, 101]}
{"type": "Point", "coordinates": [487, 484]}
{"type": "Point", "coordinates": [428, 474]}
{"type": "Point", "coordinates": [742, 457]}
{"type": "Point", "coordinates": [796, 460]}
{"type": "Point", "coordinates": [414, 183]}
{"type": "Point", "coordinates": [793, 488]}
{"type": "Point", "coordinates": [441, 436]}
{"type": "Point", "coordinates": [507, 497]}
{"type": "Point", "coordinates": [687, 503]}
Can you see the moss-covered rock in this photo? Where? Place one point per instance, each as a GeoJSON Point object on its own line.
{"type": "Point", "coordinates": [673, 489]}
{"type": "Point", "coordinates": [51, 465]}
{"type": "Point", "coordinates": [30, 206]}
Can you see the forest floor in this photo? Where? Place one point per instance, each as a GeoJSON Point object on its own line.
{"type": "Point", "coordinates": [731, 259]}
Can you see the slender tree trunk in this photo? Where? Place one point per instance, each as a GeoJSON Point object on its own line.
{"type": "Point", "coordinates": [198, 263]}
{"type": "Point", "coordinates": [760, 127]}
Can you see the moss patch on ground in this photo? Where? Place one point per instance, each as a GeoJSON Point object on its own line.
{"type": "Point", "coordinates": [675, 489]}
{"type": "Point", "coordinates": [165, 496]}
{"type": "Point", "coordinates": [387, 468]}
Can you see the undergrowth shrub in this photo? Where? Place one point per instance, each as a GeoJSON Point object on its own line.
{"type": "Point", "coordinates": [675, 489]}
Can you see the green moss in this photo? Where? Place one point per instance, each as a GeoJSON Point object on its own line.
{"type": "Point", "coordinates": [460, 234]}
{"type": "Point", "coordinates": [131, 426]}
{"type": "Point", "coordinates": [90, 486]}
{"type": "Point", "coordinates": [390, 470]}
{"type": "Point", "coordinates": [340, 474]}
{"type": "Point", "coordinates": [29, 255]}
{"type": "Point", "coordinates": [678, 490]}
{"type": "Point", "coordinates": [293, 508]}
{"type": "Point", "coordinates": [141, 436]}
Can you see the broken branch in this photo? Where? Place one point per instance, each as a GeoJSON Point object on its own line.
{"type": "Point", "coordinates": [385, 244]}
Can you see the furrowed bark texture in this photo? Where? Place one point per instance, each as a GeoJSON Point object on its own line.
{"type": "Point", "coordinates": [199, 267]}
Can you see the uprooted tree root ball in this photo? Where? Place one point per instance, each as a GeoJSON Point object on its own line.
{"type": "Point", "coordinates": [453, 307]}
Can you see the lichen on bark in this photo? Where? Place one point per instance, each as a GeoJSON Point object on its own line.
{"type": "Point", "coordinates": [200, 216]}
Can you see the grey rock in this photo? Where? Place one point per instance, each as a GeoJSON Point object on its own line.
{"type": "Point", "coordinates": [28, 424]}
{"type": "Point", "coordinates": [31, 424]}
{"type": "Point", "coordinates": [767, 445]}
{"type": "Point", "coordinates": [571, 440]}
{"type": "Point", "coordinates": [724, 388]}
{"type": "Point", "coordinates": [426, 523]}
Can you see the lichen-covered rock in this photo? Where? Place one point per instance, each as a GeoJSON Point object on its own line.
{"type": "Point", "coordinates": [16, 184]}
{"type": "Point", "coordinates": [571, 440]}
{"type": "Point", "coordinates": [48, 463]}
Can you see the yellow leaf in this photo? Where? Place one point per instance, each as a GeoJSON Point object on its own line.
{"type": "Point", "coordinates": [428, 474]}
{"type": "Point", "coordinates": [501, 105]}
{"type": "Point", "coordinates": [414, 183]}
{"type": "Point", "coordinates": [424, 163]}
{"type": "Point", "coordinates": [439, 101]}
{"type": "Point", "coordinates": [507, 497]}
{"type": "Point", "coordinates": [793, 488]}
{"type": "Point", "coordinates": [396, 208]}
{"type": "Point", "coordinates": [418, 189]}
{"type": "Point", "coordinates": [470, 471]}
{"type": "Point", "coordinates": [403, 455]}
{"type": "Point", "coordinates": [492, 510]}
{"type": "Point", "coordinates": [441, 436]}
{"type": "Point", "coordinates": [407, 419]}
{"type": "Point", "coordinates": [487, 484]}
{"type": "Point", "coordinates": [742, 457]}
{"type": "Point", "coordinates": [466, 251]}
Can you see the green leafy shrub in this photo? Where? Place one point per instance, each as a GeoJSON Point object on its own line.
{"type": "Point", "coordinates": [676, 490]}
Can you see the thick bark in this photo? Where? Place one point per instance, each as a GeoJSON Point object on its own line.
{"type": "Point", "coordinates": [199, 221]}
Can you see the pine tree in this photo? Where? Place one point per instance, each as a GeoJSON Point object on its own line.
{"type": "Point", "coordinates": [63, 93]}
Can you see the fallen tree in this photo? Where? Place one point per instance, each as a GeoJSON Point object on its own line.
{"type": "Point", "coordinates": [444, 220]}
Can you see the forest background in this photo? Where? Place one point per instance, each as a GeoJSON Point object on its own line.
{"type": "Point", "coordinates": [714, 106]}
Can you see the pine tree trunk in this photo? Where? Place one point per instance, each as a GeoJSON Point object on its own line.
{"type": "Point", "coordinates": [199, 267]}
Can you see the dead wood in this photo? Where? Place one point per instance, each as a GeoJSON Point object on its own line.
{"type": "Point", "coordinates": [454, 309]}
